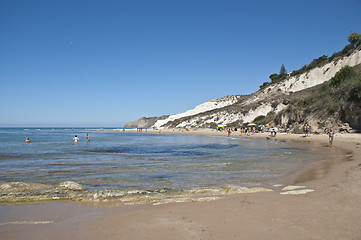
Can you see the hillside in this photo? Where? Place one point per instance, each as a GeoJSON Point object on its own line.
{"type": "Point", "coordinates": [290, 101]}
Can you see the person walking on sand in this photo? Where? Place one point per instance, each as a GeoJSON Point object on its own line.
{"type": "Point", "coordinates": [308, 130]}
{"type": "Point", "coordinates": [75, 139]}
{"type": "Point", "coordinates": [275, 129]}
{"type": "Point", "coordinates": [305, 130]}
{"type": "Point", "coordinates": [331, 135]}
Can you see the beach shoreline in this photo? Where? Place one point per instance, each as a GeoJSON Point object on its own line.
{"type": "Point", "coordinates": [331, 211]}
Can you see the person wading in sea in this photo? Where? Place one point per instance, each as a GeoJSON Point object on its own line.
{"type": "Point", "coordinates": [229, 132]}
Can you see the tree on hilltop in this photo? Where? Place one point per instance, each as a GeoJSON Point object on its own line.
{"type": "Point", "coordinates": [355, 39]}
{"type": "Point", "coordinates": [283, 70]}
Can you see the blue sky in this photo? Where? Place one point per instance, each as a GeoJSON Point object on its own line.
{"type": "Point", "coordinates": [102, 63]}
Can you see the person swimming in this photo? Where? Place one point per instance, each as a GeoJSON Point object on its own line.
{"type": "Point", "coordinates": [76, 139]}
{"type": "Point", "coordinates": [27, 140]}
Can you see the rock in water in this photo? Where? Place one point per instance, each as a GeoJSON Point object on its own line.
{"type": "Point", "coordinates": [17, 187]}
{"type": "Point", "coordinates": [73, 186]}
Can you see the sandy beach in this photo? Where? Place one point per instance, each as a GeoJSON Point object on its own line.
{"type": "Point", "coordinates": [331, 211]}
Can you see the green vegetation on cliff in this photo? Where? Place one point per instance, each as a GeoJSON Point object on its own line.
{"type": "Point", "coordinates": [345, 86]}
{"type": "Point", "coordinates": [331, 100]}
{"type": "Point", "coordinates": [355, 42]}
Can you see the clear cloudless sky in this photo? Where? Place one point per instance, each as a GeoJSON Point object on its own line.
{"type": "Point", "coordinates": [88, 63]}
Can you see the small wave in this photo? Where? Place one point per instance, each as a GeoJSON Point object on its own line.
{"type": "Point", "coordinates": [213, 146]}
{"type": "Point", "coordinates": [131, 197]}
{"type": "Point", "coordinates": [106, 151]}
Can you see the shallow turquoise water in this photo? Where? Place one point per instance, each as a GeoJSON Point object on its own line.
{"type": "Point", "coordinates": [127, 161]}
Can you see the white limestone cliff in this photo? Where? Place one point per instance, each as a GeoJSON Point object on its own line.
{"type": "Point", "coordinates": [297, 83]}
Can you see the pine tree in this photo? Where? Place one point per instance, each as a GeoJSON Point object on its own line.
{"type": "Point", "coordinates": [283, 70]}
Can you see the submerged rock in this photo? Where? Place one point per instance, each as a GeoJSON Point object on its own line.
{"type": "Point", "coordinates": [73, 186]}
{"type": "Point", "coordinates": [16, 187]}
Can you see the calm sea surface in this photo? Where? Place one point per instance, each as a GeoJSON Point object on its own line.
{"type": "Point", "coordinates": [126, 161]}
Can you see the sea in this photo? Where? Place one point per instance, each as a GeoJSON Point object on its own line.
{"type": "Point", "coordinates": [131, 161]}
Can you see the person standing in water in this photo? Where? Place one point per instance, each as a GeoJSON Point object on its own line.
{"type": "Point", "coordinates": [76, 139]}
{"type": "Point", "coordinates": [87, 137]}
{"type": "Point", "coordinates": [27, 140]}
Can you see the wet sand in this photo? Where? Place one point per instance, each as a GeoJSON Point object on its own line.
{"type": "Point", "coordinates": [331, 211]}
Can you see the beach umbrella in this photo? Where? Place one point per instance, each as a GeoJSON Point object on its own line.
{"type": "Point", "coordinates": [252, 124]}
{"type": "Point", "coordinates": [220, 124]}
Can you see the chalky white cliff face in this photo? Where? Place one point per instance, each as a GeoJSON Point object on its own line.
{"type": "Point", "coordinates": [226, 117]}
{"type": "Point", "coordinates": [204, 107]}
{"type": "Point", "coordinates": [293, 84]}
{"type": "Point", "coordinates": [318, 75]}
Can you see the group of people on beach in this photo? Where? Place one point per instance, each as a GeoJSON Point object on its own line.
{"type": "Point", "coordinates": [306, 130]}
{"type": "Point", "coordinates": [251, 130]}
{"type": "Point", "coordinates": [274, 130]}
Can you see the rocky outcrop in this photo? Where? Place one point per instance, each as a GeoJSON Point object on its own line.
{"type": "Point", "coordinates": [16, 187]}
{"type": "Point", "coordinates": [144, 122]}
{"type": "Point", "coordinates": [73, 186]}
{"type": "Point", "coordinates": [352, 115]}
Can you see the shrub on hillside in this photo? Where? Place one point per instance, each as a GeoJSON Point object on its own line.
{"type": "Point", "coordinates": [318, 62]}
{"type": "Point", "coordinates": [329, 99]}
{"type": "Point", "coordinates": [355, 91]}
{"type": "Point", "coordinates": [259, 118]}
{"type": "Point", "coordinates": [264, 85]}
{"type": "Point", "coordinates": [346, 51]}
{"type": "Point", "coordinates": [354, 39]}
{"type": "Point", "coordinates": [274, 77]}
{"type": "Point", "coordinates": [345, 73]}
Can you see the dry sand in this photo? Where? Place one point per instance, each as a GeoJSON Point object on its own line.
{"type": "Point", "coordinates": [331, 211]}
